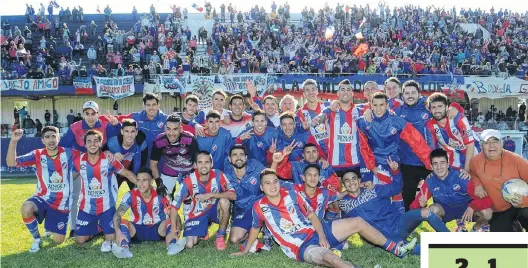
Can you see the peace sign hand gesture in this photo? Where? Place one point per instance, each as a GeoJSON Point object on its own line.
{"type": "Point", "coordinates": [111, 119]}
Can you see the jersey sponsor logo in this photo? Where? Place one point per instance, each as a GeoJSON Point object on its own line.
{"type": "Point", "coordinates": [345, 135]}
{"type": "Point", "coordinates": [347, 205]}
{"type": "Point", "coordinates": [239, 217]}
{"type": "Point", "coordinates": [393, 130]}
{"type": "Point", "coordinates": [436, 189]}
{"type": "Point", "coordinates": [147, 219]}
{"type": "Point", "coordinates": [403, 116]}
{"type": "Point", "coordinates": [456, 187]}
{"type": "Point", "coordinates": [260, 144]}
{"type": "Point", "coordinates": [56, 183]}
{"type": "Point", "coordinates": [61, 225]}
{"type": "Point", "coordinates": [95, 189]}
{"type": "Point", "coordinates": [288, 227]}
{"type": "Point", "coordinates": [192, 223]}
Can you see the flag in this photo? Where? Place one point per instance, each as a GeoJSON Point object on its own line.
{"type": "Point", "coordinates": [98, 9]}
{"type": "Point", "coordinates": [359, 35]}
{"type": "Point", "coordinates": [362, 22]}
{"type": "Point", "coordinates": [361, 50]}
{"type": "Point", "coordinates": [197, 7]}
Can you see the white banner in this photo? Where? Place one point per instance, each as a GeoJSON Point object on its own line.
{"type": "Point", "coordinates": [495, 87]}
{"type": "Point", "coordinates": [115, 87]}
{"type": "Point", "coordinates": [51, 83]}
{"type": "Point", "coordinates": [203, 87]}
{"type": "Point", "coordinates": [236, 84]}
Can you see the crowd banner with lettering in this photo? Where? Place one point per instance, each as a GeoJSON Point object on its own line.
{"type": "Point", "coordinates": [203, 87]}
{"type": "Point", "coordinates": [495, 87]}
{"type": "Point", "coordinates": [235, 84]}
{"type": "Point", "coordinates": [115, 87]}
{"type": "Point", "coordinates": [51, 83]}
{"type": "Point", "coordinates": [83, 85]}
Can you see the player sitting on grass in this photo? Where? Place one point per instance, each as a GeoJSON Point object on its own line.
{"type": "Point", "coordinates": [374, 205]}
{"type": "Point", "coordinates": [148, 218]}
{"type": "Point", "coordinates": [51, 201]}
{"type": "Point", "coordinates": [209, 193]}
{"type": "Point", "coordinates": [300, 233]}
{"type": "Point", "coordinates": [453, 197]}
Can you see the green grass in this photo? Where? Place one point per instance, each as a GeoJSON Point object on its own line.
{"type": "Point", "coordinates": [15, 242]}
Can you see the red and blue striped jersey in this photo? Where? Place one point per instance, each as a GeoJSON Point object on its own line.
{"type": "Point", "coordinates": [192, 186]}
{"type": "Point", "coordinates": [146, 213]}
{"type": "Point", "coordinates": [288, 221]}
{"type": "Point", "coordinates": [454, 138]}
{"type": "Point", "coordinates": [319, 132]}
{"type": "Point", "coordinates": [54, 176]}
{"type": "Point", "coordinates": [319, 202]}
{"type": "Point", "coordinates": [99, 183]}
{"type": "Point", "coordinates": [236, 127]}
{"type": "Point", "coordinates": [343, 143]}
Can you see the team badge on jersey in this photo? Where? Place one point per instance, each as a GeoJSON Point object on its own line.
{"type": "Point", "coordinates": [393, 130]}
{"type": "Point", "coordinates": [183, 150]}
{"type": "Point", "coordinates": [456, 187]}
{"type": "Point", "coordinates": [214, 147]}
{"type": "Point", "coordinates": [253, 180]}
{"type": "Point", "coordinates": [61, 225]}
{"type": "Point", "coordinates": [155, 210]}
{"type": "Point", "coordinates": [160, 124]}
{"type": "Point", "coordinates": [425, 116]}
{"type": "Point", "coordinates": [260, 144]}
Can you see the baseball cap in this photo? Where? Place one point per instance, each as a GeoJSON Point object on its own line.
{"type": "Point", "coordinates": [490, 133]}
{"type": "Point", "coordinates": [91, 105]}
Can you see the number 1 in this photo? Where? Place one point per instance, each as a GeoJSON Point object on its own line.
{"type": "Point", "coordinates": [492, 263]}
{"type": "Point", "coordinates": [464, 263]}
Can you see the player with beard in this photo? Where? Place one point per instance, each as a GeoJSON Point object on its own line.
{"type": "Point", "coordinates": [176, 148]}
{"type": "Point", "coordinates": [300, 233]}
{"type": "Point", "coordinates": [216, 140]}
{"type": "Point", "coordinates": [98, 191]}
{"type": "Point", "coordinates": [259, 138]}
{"type": "Point", "coordinates": [453, 135]}
{"type": "Point", "coordinates": [52, 200]}
{"type": "Point", "coordinates": [244, 176]}
{"type": "Point", "coordinates": [210, 193]}
{"type": "Point", "coordinates": [130, 148]}
{"type": "Point", "coordinates": [237, 120]}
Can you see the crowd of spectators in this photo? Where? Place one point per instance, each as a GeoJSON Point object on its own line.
{"type": "Point", "coordinates": [393, 41]}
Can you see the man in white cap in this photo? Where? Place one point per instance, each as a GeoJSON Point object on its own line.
{"type": "Point", "coordinates": [74, 139]}
{"type": "Point", "coordinates": [490, 169]}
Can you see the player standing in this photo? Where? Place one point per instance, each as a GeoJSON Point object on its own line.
{"type": "Point", "coordinates": [216, 140]}
{"type": "Point", "coordinates": [258, 139]}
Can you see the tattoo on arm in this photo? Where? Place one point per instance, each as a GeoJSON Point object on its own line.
{"type": "Point", "coordinates": [119, 213]}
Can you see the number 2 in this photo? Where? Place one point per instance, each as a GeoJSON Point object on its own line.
{"type": "Point", "coordinates": [464, 263]}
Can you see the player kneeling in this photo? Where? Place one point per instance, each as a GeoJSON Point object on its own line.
{"type": "Point", "coordinates": [300, 233]}
{"type": "Point", "coordinates": [148, 219]}
{"type": "Point", "coordinates": [453, 197]}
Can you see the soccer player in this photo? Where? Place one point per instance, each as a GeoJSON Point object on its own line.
{"type": "Point", "coordinates": [290, 135]}
{"type": "Point", "coordinates": [52, 199]}
{"type": "Point", "coordinates": [300, 233]}
{"type": "Point", "coordinates": [244, 176]}
{"type": "Point", "coordinates": [312, 108]}
{"type": "Point", "coordinates": [258, 139]}
{"type": "Point", "coordinates": [210, 193]}
{"type": "Point", "coordinates": [219, 97]}
{"type": "Point", "coordinates": [98, 191]}
{"type": "Point", "coordinates": [217, 140]}
{"type": "Point", "coordinates": [74, 138]}
{"type": "Point", "coordinates": [453, 197]}
{"type": "Point", "coordinates": [130, 148]}
{"type": "Point", "coordinates": [453, 135]}
{"type": "Point", "coordinates": [268, 105]}
{"type": "Point", "coordinates": [177, 149]}
{"type": "Point", "coordinates": [148, 218]}
{"type": "Point", "coordinates": [191, 107]}
{"type": "Point", "coordinates": [369, 88]}
{"type": "Point", "coordinates": [374, 205]}
{"type": "Point", "coordinates": [237, 120]}
{"type": "Point", "coordinates": [392, 87]}
{"type": "Point", "coordinates": [343, 144]}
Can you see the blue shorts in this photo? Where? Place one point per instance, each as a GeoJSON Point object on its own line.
{"type": "Point", "coordinates": [314, 240]}
{"type": "Point", "coordinates": [147, 232]}
{"type": "Point", "coordinates": [55, 221]}
{"type": "Point", "coordinates": [87, 223]}
{"type": "Point", "coordinates": [243, 219]}
{"type": "Point", "coordinates": [452, 213]}
{"type": "Point", "coordinates": [198, 226]}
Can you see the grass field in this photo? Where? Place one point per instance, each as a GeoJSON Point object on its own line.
{"type": "Point", "coordinates": [15, 242]}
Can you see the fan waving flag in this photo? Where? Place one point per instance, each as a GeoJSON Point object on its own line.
{"type": "Point", "coordinates": [361, 50]}
{"type": "Point", "coordinates": [197, 7]}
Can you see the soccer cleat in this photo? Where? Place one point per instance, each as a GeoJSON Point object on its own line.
{"type": "Point", "coordinates": [268, 243]}
{"type": "Point", "coordinates": [484, 228]}
{"type": "Point", "coordinates": [106, 246]}
{"type": "Point", "coordinates": [206, 237]}
{"type": "Point", "coordinates": [404, 248]}
{"type": "Point", "coordinates": [177, 247]}
{"type": "Point", "coordinates": [35, 246]}
{"type": "Point", "coordinates": [517, 227]}
{"type": "Point", "coordinates": [255, 248]}
{"type": "Point", "coordinates": [220, 243]}
{"type": "Point", "coordinates": [122, 252]}
{"type": "Point", "coordinates": [461, 228]}
{"type": "Point", "coordinates": [72, 234]}
{"type": "Point", "coordinates": [336, 252]}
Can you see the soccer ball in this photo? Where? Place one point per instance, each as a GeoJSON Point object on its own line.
{"type": "Point", "coordinates": [514, 190]}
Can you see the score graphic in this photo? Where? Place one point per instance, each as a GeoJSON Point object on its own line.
{"type": "Point", "coordinates": [474, 250]}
